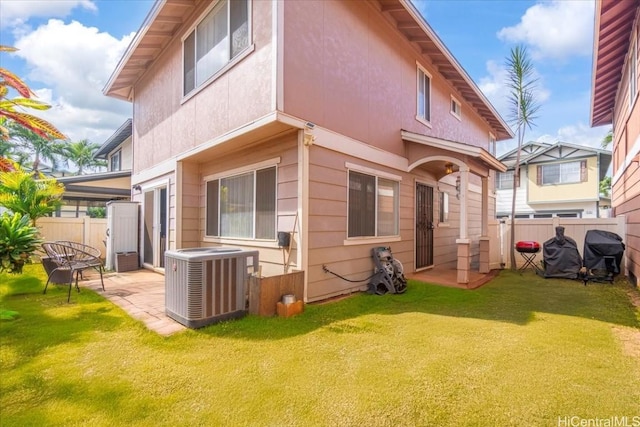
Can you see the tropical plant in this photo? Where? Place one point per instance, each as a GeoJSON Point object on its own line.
{"type": "Point", "coordinates": [11, 109]}
{"type": "Point", "coordinates": [523, 109]}
{"type": "Point", "coordinates": [81, 153]}
{"type": "Point", "coordinates": [18, 240]}
{"type": "Point", "coordinates": [29, 194]}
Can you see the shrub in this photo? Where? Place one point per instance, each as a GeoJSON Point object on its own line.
{"type": "Point", "coordinates": [18, 240]}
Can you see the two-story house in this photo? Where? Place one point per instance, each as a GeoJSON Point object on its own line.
{"type": "Point", "coordinates": [345, 123]}
{"type": "Point", "coordinates": [557, 179]}
{"type": "Point", "coordinates": [615, 101]}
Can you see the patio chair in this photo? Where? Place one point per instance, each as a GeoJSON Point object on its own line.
{"type": "Point", "coordinates": [72, 257]}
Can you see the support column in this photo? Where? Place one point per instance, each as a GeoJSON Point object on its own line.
{"type": "Point", "coordinates": [464, 260]}
{"type": "Point", "coordinates": [464, 211]}
{"type": "Point", "coordinates": [485, 244]}
{"type": "Point", "coordinates": [485, 255]}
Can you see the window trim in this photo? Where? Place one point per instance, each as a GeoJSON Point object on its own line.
{"type": "Point", "coordinates": [118, 154]}
{"type": "Point", "coordinates": [456, 102]}
{"type": "Point", "coordinates": [254, 168]}
{"type": "Point", "coordinates": [492, 144]}
{"type": "Point", "coordinates": [230, 64]}
{"type": "Point", "coordinates": [424, 120]}
{"type": "Point", "coordinates": [583, 171]}
{"type": "Point", "coordinates": [377, 174]}
{"type": "Point", "coordinates": [512, 173]}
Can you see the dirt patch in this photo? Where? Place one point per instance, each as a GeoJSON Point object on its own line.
{"type": "Point", "coordinates": [630, 340]}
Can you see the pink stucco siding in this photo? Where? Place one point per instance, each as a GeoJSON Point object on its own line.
{"type": "Point", "coordinates": [355, 74]}
{"type": "Point", "coordinates": [167, 124]}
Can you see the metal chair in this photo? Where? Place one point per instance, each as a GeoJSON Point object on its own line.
{"type": "Point", "coordinates": [72, 257]}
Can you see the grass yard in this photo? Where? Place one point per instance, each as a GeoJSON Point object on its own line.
{"type": "Point", "coordinates": [521, 351]}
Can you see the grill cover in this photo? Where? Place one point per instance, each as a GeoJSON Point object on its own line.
{"type": "Point", "coordinates": [603, 251]}
{"type": "Point", "coordinates": [561, 256]}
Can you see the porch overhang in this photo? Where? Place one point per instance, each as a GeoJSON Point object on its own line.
{"type": "Point", "coordinates": [479, 160]}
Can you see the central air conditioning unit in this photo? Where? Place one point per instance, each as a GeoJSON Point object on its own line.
{"type": "Point", "coordinates": [208, 285]}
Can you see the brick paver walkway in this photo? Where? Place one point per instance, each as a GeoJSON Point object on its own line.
{"type": "Point", "coordinates": [141, 294]}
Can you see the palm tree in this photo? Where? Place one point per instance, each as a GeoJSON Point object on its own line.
{"type": "Point", "coordinates": [42, 149]}
{"type": "Point", "coordinates": [523, 109]}
{"type": "Point", "coordinates": [81, 153]}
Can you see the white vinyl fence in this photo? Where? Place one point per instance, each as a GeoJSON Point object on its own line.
{"type": "Point", "coordinates": [541, 230]}
{"type": "Point", "coordinates": [90, 231]}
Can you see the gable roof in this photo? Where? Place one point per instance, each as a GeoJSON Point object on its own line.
{"type": "Point", "coordinates": [540, 152]}
{"type": "Point", "coordinates": [167, 16]}
{"type": "Point", "coordinates": [119, 136]}
{"type": "Point", "coordinates": [613, 24]}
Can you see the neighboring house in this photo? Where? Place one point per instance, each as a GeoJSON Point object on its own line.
{"type": "Point", "coordinates": [558, 179]}
{"type": "Point", "coordinates": [615, 101]}
{"type": "Point", "coordinates": [94, 190]}
{"type": "Point", "coordinates": [348, 124]}
{"type": "Point", "coordinates": [117, 149]}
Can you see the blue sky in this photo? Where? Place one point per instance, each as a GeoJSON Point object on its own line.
{"type": "Point", "coordinates": [69, 49]}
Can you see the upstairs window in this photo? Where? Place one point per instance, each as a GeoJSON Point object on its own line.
{"type": "Point", "coordinates": [373, 206]}
{"type": "Point", "coordinates": [456, 108]}
{"type": "Point", "coordinates": [562, 173]}
{"type": "Point", "coordinates": [492, 144]}
{"type": "Point", "coordinates": [216, 40]}
{"type": "Point", "coordinates": [424, 96]}
{"type": "Point", "coordinates": [115, 163]}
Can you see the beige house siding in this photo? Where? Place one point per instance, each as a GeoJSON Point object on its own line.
{"type": "Point", "coordinates": [285, 149]}
{"type": "Point", "coordinates": [587, 190]}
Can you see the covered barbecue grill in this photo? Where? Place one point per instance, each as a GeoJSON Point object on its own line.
{"type": "Point", "coordinates": [561, 256]}
{"type": "Point", "coordinates": [603, 252]}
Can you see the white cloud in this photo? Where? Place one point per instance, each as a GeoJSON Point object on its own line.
{"type": "Point", "coordinates": [556, 29]}
{"type": "Point", "coordinates": [16, 12]}
{"type": "Point", "coordinates": [74, 62]}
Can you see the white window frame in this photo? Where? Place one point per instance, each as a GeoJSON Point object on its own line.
{"type": "Point", "coordinates": [254, 168]}
{"type": "Point", "coordinates": [456, 108]}
{"type": "Point", "coordinates": [560, 166]}
{"type": "Point", "coordinates": [443, 210]}
{"type": "Point", "coordinates": [116, 155]}
{"type": "Point", "coordinates": [492, 144]}
{"type": "Point", "coordinates": [425, 116]}
{"type": "Point", "coordinates": [377, 175]}
{"type": "Point", "coordinates": [230, 63]}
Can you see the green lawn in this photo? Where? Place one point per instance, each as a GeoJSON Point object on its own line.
{"type": "Point", "coordinates": [521, 351]}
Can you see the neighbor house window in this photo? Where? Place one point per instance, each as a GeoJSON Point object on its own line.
{"type": "Point", "coordinates": [562, 173]}
{"type": "Point", "coordinates": [242, 205]}
{"type": "Point", "coordinates": [116, 164]}
{"type": "Point", "coordinates": [504, 180]}
{"type": "Point", "coordinates": [373, 205]}
{"type": "Point", "coordinates": [492, 144]}
{"type": "Point", "coordinates": [216, 40]}
{"type": "Point", "coordinates": [456, 108]}
{"type": "Point", "coordinates": [424, 95]}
